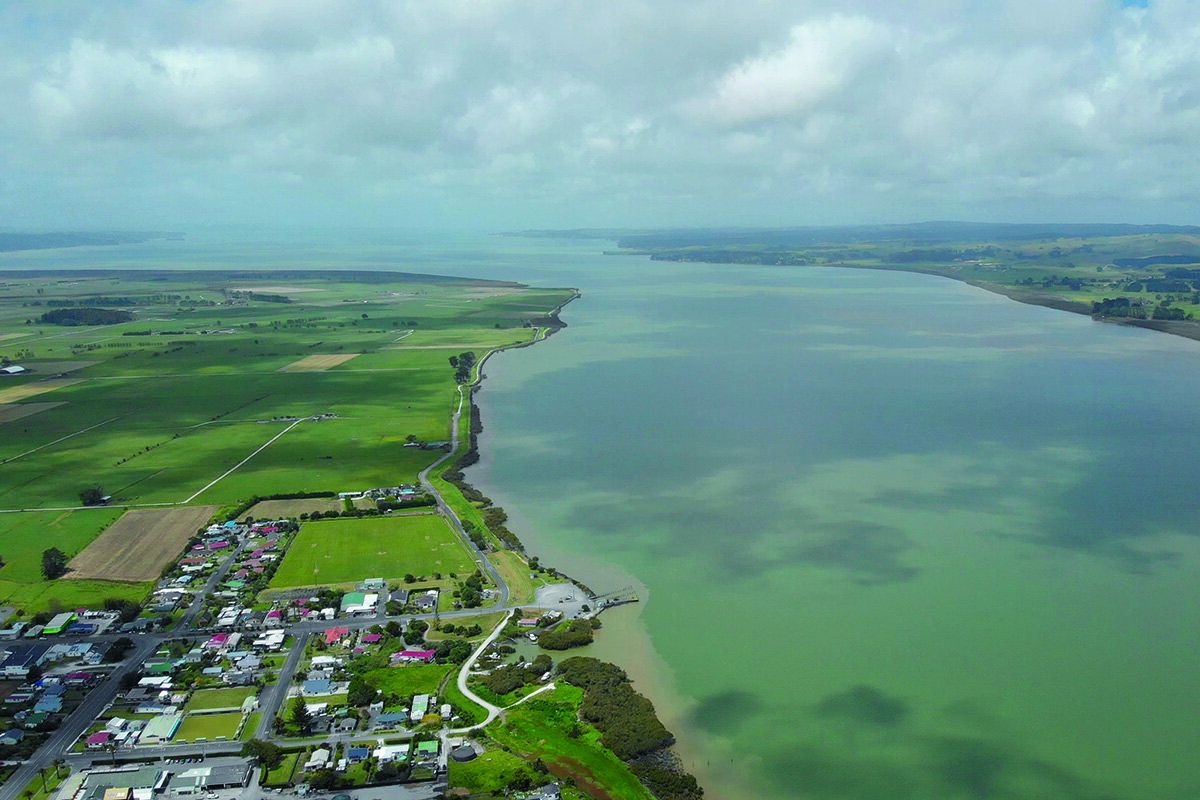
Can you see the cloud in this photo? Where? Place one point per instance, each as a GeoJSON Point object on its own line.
{"type": "Point", "coordinates": [627, 113]}
{"type": "Point", "coordinates": [820, 58]}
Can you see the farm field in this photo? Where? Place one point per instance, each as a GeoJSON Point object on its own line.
{"type": "Point", "coordinates": [185, 403]}
{"type": "Point", "coordinates": [139, 544]}
{"type": "Point", "coordinates": [280, 509]}
{"type": "Point", "coordinates": [346, 551]}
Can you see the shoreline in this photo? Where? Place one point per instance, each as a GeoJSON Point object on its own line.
{"type": "Point", "coordinates": [624, 641]}
{"type": "Point", "coordinates": [1184, 329]}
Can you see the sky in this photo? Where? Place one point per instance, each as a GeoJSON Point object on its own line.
{"type": "Point", "coordinates": [512, 114]}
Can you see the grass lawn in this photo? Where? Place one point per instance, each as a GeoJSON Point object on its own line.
{"type": "Point", "coordinates": [474, 712]}
{"type": "Point", "coordinates": [345, 551]}
{"type": "Point", "coordinates": [538, 729]}
{"type": "Point", "coordinates": [408, 679]}
{"type": "Point", "coordinates": [208, 726]}
{"type": "Point", "coordinates": [35, 790]}
{"type": "Point", "coordinates": [282, 775]}
{"type": "Point", "coordinates": [219, 698]}
{"type": "Point", "coordinates": [485, 621]}
{"type": "Point", "coordinates": [251, 727]}
{"type": "Point", "coordinates": [491, 772]}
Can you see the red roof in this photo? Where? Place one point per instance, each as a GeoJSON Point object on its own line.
{"type": "Point", "coordinates": [334, 634]}
{"type": "Point", "coordinates": [102, 737]}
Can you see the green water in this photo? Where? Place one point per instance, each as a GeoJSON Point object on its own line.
{"type": "Point", "coordinates": [900, 538]}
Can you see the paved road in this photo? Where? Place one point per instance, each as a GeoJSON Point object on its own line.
{"type": "Point", "coordinates": [272, 698]}
{"type": "Point", "coordinates": [61, 740]}
{"type": "Point", "coordinates": [455, 522]}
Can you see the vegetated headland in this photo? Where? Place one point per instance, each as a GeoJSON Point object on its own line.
{"type": "Point", "coordinates": [203, 457]}
{"type": "Point", "coordinates": [1146, 276]}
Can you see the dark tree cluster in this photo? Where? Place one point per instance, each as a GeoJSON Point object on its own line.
{"type": "Point", "coordinates": [573, 633]}
{"type": "Point", "coordinates": [626, 720]}
{"type": "Point", "coordinates": [85, 316]}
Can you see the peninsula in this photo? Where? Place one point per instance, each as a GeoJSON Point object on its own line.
{"type": "Point", "coordinates": [237, 550]}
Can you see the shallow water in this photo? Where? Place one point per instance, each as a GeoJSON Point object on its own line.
{"type": "Point", "coordinates": [896, 537]}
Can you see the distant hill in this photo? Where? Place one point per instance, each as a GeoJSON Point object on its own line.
{"type": "Point", "coordinates": [924, 233]}
{"type": "Point", "coordinates": [44, 241]}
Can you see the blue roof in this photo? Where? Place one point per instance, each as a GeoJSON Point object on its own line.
{"type": "Point", "coordinates": [358, 752]}
{"type": "Point", "coordinates": [230, 524]}
{"type": "Point", "coordinates": [317, 687]}
{"type": "Point", "coordinates": [392, 716]}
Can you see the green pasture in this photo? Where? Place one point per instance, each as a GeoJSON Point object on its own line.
{"type": "Point", "coordinates": [157, 416]}
{"type": "Point", "coordinates": [539, 729]}
{"type": "Point", "coordinates": [490, 772]}
{"type": "Point", "coordinates": [408, 679]}
{"type": "Point", "coordinates": [342, 551]}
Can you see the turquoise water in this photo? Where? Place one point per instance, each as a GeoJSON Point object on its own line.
{"type": "Point", "coordinates": [897, 537]}
{"type": "Point", "coordinates": [901, 538]}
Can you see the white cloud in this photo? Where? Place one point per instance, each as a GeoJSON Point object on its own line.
{"type": "Point", "coordinates": [820, 58]}
{"type": "Point", "coordinates": [675, 112]}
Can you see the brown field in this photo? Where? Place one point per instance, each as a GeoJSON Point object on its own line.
{"type": "Point", "coordinates": [54, 367]}
{"type": "Point", "coordinates": [318, 363]}
{"type": "Point", "coordinates": [282, 509]}
{"type": "Point", "coordinates": [138, 545]}
{"type": "Point", "coordinates": [276, 289]}
{"type": "Point", "coordinates": [27, 390]}
{"type": "Point", "coordinates": [13, 412]}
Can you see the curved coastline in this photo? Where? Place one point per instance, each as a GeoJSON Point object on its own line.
{"type": "Point", "coordinates": [626, 643]}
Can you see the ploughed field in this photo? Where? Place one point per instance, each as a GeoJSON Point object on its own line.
{"type": "Point", "coordinates": [215, 390]}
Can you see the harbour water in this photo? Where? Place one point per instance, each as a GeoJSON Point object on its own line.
{"type": "Point", "coordinates": [896, 537]}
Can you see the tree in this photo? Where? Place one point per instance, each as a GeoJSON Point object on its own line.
{"type": "Point", "coordinates": [92, 496]}
{"type": "Point", "coordinates": [301, 716]}
{"type": "Point", "coordinates": [269, 754]}
{"type": "Point", "coordinates": [360, 693]}
{"type": "Point", "coordinates": [34, 675]}
{"type": "Point", "coordinates": [54, 563]}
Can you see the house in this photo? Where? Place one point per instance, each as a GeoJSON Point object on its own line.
{"type": "Point", "coordinates": [14, 632]}
{"type": "Point", "coordinates": [317, 687]}
{"type": "Point", "coordinates": [51, 704]}
{"type": "Point", "coordinates": [98, 741]}
{"type": "Point", "coordinates": [391, 752]}
{"type": "Point", "coordinates": [420, 706]}
{"type": "Point", "coordinates": [426, 751]}
{"type": "Point", "coordinates": [11, 737]}
{"type": "Point", "coordinates": [357, 754]}
{"type": "Point", "coordinates": [414, 656]}
{"type": "Point", "coordinates": [335, 635]}
{"type": "Point", "coordinates": [426, 601]}
{"type": "Point", "coordinates": [391, 719]}
{"type": "Point", "coordinates": [528, 622]}
{"type": "Point", "coordinates": [318, 760]}
{"type": "Point", "coordinates": [33, 720]}
{"type": "Point", "coordinates": [400, 596]}
{"type": "Point", "coordinates": [371, 638]}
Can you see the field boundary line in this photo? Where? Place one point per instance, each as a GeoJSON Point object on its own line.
{"type": "Point", "coordinates": [63, 438]}
{"type": "Point", "coordinates": [243, 461]}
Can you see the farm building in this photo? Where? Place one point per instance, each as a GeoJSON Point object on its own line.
{"type": "Point", "coordinates": [12, 369]}
{"type": "Point", "coordinates": [354, 603]}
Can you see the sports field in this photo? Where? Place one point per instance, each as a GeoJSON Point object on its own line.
{"type": "Point", "coordinates": [139, 544]}
{"type": "Point", "coordinates": [346, 551]}
{"type": "Point", "coordinates": [207, 726]}
{"type": "Point", "coordinates": [207, 699]}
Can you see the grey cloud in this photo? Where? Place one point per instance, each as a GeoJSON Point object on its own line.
{"type": "Point", "coordinates": [720, 112]}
